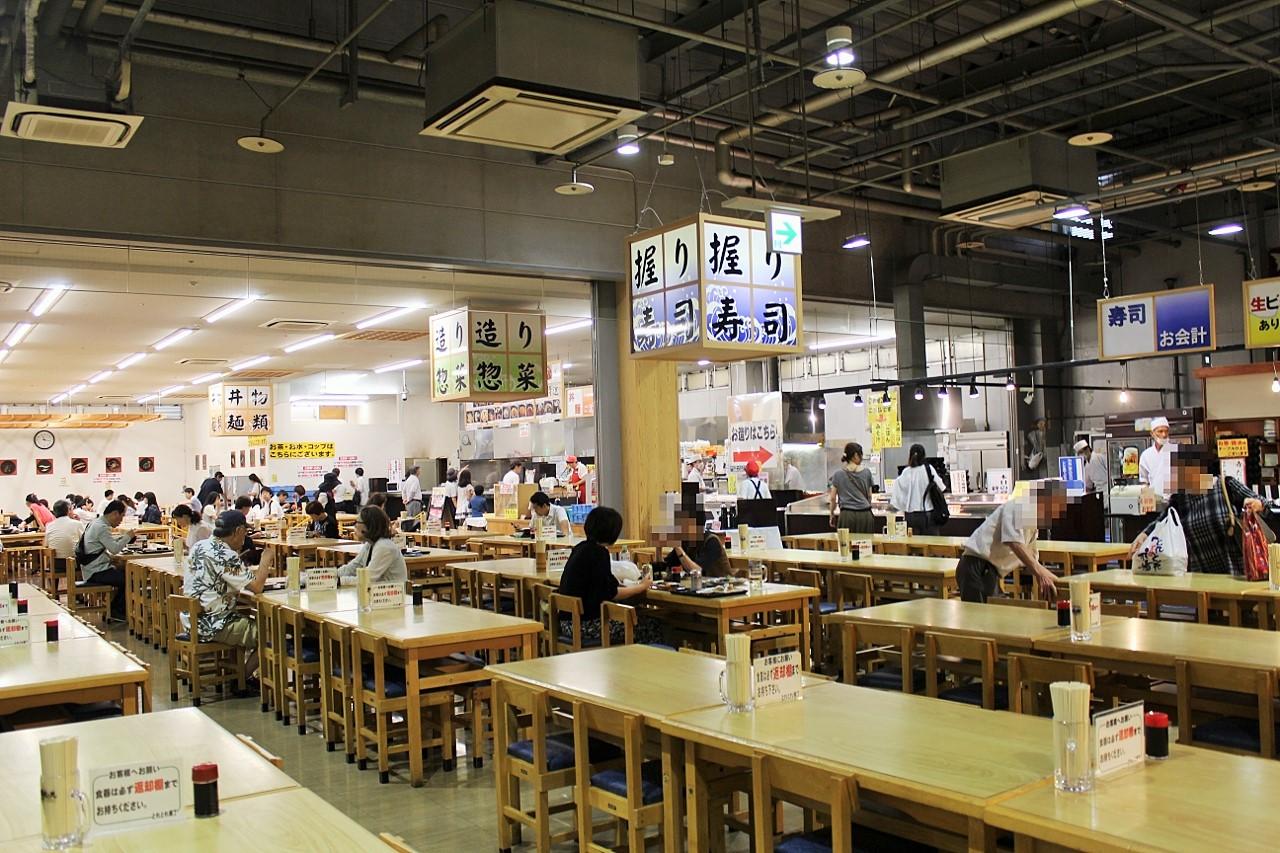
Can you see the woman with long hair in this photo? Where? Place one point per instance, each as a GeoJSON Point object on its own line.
{"type": "Point", "coordinates": [911, 492]}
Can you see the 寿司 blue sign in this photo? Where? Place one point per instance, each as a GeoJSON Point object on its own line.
{"type": "Point", "coordinates": [1171, 321]}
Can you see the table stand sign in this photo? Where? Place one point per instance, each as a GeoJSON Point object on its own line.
{"type": "Point", "coordinates": [776, 678]}
{"type": "Point", "coordinates": [14, 631]}
{"type": "Point", "coordinates": [322, 580]}
{"type": "Point", "coordinates": [736, 677]}
{"type": "Point", "coordinates": [1119, 738]}
{"type": "Point", "coordinates": [64, 816]}
{"type": "Point", "coordinates": [293, 575]}
{"type": "Point", "coordinates": [556, 558]}
{"type": "Point", "coordinates": [129, 795]}
{"type": "Point", "coordinates": [386, 596]}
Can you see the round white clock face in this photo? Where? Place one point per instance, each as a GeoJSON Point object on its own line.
{"type": "Point", "coordinates": [43, 439]}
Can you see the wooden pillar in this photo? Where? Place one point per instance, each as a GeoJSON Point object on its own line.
{"type": "Point", "coordinates": [650, 430]}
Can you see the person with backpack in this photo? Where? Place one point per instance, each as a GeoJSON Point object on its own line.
{"type": "Point", "coordinates": [917, 492]}
{"type": "Point", "coordinates": [96, 548]}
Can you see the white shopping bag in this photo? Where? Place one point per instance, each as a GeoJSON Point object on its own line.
{"type": "Point", "coordinates": [1165, 551]}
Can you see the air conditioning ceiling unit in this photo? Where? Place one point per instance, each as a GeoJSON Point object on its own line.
{"type": "Point", "coordinates": [1018, 183]}
{"type": "Point", "coordinates": [523, 76]}
{"type": "Point", "coordinates": [40, 123]}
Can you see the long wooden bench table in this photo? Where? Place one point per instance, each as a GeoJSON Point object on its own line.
{"type": "Point", "coordinates": [78, 671]}
{"type": "Point", "coordinates": [895, 576]}
{"type": "Point", "coordinates": [1227, 593]}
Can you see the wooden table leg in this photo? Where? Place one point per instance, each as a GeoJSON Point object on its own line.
{"type": "Point", "coordinates": [806, 628]}
{"type": "Point", "coordinates": [982, 838]}
{"type": "Point", "coordinates": [696, 800]}
{"type": "Point", "coordinates": [413, 718]}
{"type": "Point", "coordinates": [672, 790]}
{"type": "Point", "coordinates": [129, 698]}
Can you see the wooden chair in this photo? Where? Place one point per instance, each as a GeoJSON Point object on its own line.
{"type": "Point", "coordinates": [541, 594]}
{"type": "Point", "coordinates": [144, 688]}
{"type": "Point", "coordinates": [832, 795]}
{"type": "Point", "coordinates": [957, 655]}
{"type": "Point", "coordinates": [337, 679]}
{"type": "Point", "coordinates": [1183, 599]}
{"type": "Point", "coordinates": [528, 749]}
{"type": "Point", "coordinates": [163, 584]}
{"type": "Point", "coordinates": [1130, 609]}
{"type": "Point", "coordinates": [570, 607]}
{"type": "Point", "coordinates": [818, 607]}
{"type": "Point", "coordinates": [888, 657]}
{"type": "Point", "coordinates": [1030, 603]}
{"type": "Point", "coordinates": [1241, 697]}
{"type": "Point", "coordinates": [610, 612]}
{"type": "Point", "coordinates": [465, 590]}
{"type": "Point", "coordinates": [853, 590]}
{"type": "Point", "coordinates": [298, 650]}
{"type": "Point", "coordinates": [774, 640]}
{"type": "Point", "coordinates": [197, 663]}
{"type": "Point", "coordinates": [380, 695]}
{"type": "Point", "coordinates": [1030, 677]}
{"type": "Point", "coordinates": [269, 657]}
{"type": "Point", "coordinates": [84, 598]}
{"type": "Point", "coordinates": [28, 564]}
{"type": "Point", "coordinates": [632, 793]}
{"type": "Point", "coordinates": [269, 757]}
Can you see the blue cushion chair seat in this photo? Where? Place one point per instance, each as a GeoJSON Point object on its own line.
{"type": "Point", "coordinates": [560, 752]}
{"type": "Point", "coordinates": [615, 782]}
{"type": "Point", "coordinates": [971, 694]}
{"type": "Point", "coordinates": [1230, 732]}
{"type": "Point", "coordinates": [310, 650]}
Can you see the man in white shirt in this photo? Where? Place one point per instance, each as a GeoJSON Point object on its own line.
{"type": "Point", "coordinates": [514, 475]}
{"type": "Point", "coordinates": [411, 493]}
{"type": "Point", "coordinates": [751, 487]}
{"type": "Point", "coordinates": [1093, 469]}
{"type": "Point", "coordinates": [361, 485]}
{"type": "Point", "coordinates": [542, 511]}
{"type": "Point", "coordinates": [1153, 464]}
{"type": "Point", "coordinates": [792, 480]}
{"type": "Point", "coordinates": [63, 532]}
{"type": "Point", "coordinates": [1007, 539]}
{"type": "Point", "coordinates": [694, 474]}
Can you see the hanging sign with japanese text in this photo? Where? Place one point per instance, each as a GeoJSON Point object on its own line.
{"type": "Point", "coordinates": [488, 356]}
{"type": "Point", "coordinates": [884, 421]}
{"type": "Point", "coordinates": [301, 450]}
{"type": "Point", "coordinates": [755, 431]}
{"type": "Point", "coordinates": [712, 287]}
{"type": "Point", "coordinates": [1262, 313]}
{"type": "Point", "coordinates": [1170, 322]}
{"type": "Point", "coordinates": [236, 409]}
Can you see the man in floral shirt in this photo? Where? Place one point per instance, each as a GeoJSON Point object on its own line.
{"type": "Point", "coordinates": [216, 577]}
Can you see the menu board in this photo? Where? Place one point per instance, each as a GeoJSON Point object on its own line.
{"type": "Point", "coordinates": [488, 356]}
{"type": "Point", "coordinates": [1164, 322]}
{"type": "Point", "coordinates": [884, 420]}
{"type": "Point", "coordinates": [238, 409]}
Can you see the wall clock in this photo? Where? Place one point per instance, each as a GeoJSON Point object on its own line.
{"type": "Point", "coordinates": [43, 439]}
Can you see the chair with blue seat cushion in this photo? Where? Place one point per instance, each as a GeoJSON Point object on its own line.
{"type": "Point", "coordinates": [630, 792]}
{"type": "Point", "coordinates": [1030, 677]}
{"type": "Point", "coordinates": [195, 663]}
{"type": "Point", "coordinates": [1241, 699]}
{"type": "Point", "coordinates": [298, 644]}
{"type": "Point", "coordinates": [336, 676]}
{"type": "Point", "coordinates": [960, 658]}
{"type": "Point", "coordinates": [381, 707]}
{"type": "Point", "coordinates": [776, 779]}
{"type": "Point", "coordinates": [885, 654]}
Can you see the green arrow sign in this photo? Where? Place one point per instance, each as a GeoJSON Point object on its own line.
{"type": "Point", "coordinates": [784, 232]}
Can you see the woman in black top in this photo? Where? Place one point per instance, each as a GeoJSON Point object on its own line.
{"type": "Point", "coordinates": [152, 514]}
{"type": "Point", "coordinates": [588, 575]}
{"type": "Point", "coordinates": [322, 524]}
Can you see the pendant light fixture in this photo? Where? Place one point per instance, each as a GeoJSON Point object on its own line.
{"type": "Point", "coordinates": [575, 186]}
{"type": "Point", "coordinates": [973, 390]}
{"type": "Point", "coordinates": [918, 393]}
{"type": "Point", "coordinates": [840, 72]}
{"type": "Point", "coordinates": [857, 395]}
{"type": "Point", "coordinates": [1010, 384]}
{"type": "Point", "coordinates": [942, 392]}
{"type": "Point", "coordinates": [885, 399]}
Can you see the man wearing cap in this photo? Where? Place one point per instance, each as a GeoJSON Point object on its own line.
{"type": "Point", "coordinates": [751, 487]}
{"type": "Point", "coordinates": [1153, 464]}
{"type": "Point", "coordinates": [215, 577]}
{"type": "Point", "coordinates": [1092, 468]}
{"type": "Point", "coordinates": [576, 476]}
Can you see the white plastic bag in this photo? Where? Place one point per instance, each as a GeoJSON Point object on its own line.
{"type": "Point", "coordinates": [1165, 551]}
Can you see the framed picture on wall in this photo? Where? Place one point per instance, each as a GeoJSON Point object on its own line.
{"type": "Point", "coordinates": [204, 461]}
{"type": "Point", "coordinates": [8, 467]}
{"type": "Point", "coordinates": [146, 464]}
{"type": "Point", "coordinates": [197, 465]}
{"type": "Point", "coordinates": [262, 456]}
{"type": "Point", "coordinates": [44, 466]}
{"type": "Point", "coordinates": [242, 462]}
{"type": "Point", "coordinates": [233, 459]}
{"type": "Point", "coordinates": [114, 465]}
{"type": "Point", "coordinates": [79, 465]}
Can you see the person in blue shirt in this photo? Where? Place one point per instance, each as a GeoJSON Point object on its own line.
{"type": "Point", "coordinates": [476, 507]}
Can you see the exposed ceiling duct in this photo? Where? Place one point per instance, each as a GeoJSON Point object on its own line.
{"type": "Point", "coordinates": [1018, 184]}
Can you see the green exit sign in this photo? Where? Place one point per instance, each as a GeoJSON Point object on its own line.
{"type": "Point", "coordinates": [784, 232]}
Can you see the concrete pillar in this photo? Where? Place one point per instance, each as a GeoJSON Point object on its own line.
{"type": "Point", "coordinates": [908, 326]}
{"type": "Point", "coordinates": [606, 331]}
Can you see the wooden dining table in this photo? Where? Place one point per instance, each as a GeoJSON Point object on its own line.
{"type": "Point", "coordinates": [423, 564]}
{"type": "Point", "coordinates": [186, 735]}
{"type": "Point", "coordinates": [895, 576]}
{"type": "Point", "coordinates": [1235, 596]}
{"type": "Point", "coordinates": [77, 672]}
{"type": "Point", "coordinates": [526, 547]}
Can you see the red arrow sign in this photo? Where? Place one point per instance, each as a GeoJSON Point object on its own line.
{"type": "Point", "coordinates": [759, 456]}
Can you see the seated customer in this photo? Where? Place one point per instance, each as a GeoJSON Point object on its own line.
{"type": "Point", "coordinates": [588, 575]}
{"type": "Point", "coordinates": [322, 524]}
{"type": "Point", "coordinates": [697, 549]}
{"type": "Point", "coordinates": [63, 532]}
{"type": "Point", "coordinates": [97, 546]}
{"type": "Point", "coordinates": [380, 553]}
{"type": "Point", "coordinates": [191, 526]}
{"type": "Point", "coordinates": [543, 511]}
{"type": "Point", "coordinates": [215, 578]}
{"type": "Point", "coordinates": [152, 515]}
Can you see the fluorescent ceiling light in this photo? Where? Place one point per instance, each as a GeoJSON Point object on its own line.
{"type": "Point", "coordinates": [856, 241]}
{"type": "Point", "coordinates": [58, 398]}
{"type": "Point", "coordinates": [572, 325]}
{"type": "Point", "coordinates": [387, 316]}
{"type": "Point", "coordinates": [849, 342]}
{"type": "Point", "coordinates": [94, 380]}
{"type": "Point", "coordinates": [148, 398]}
{"type": "Point", "coordinates": [207, 378]}
{"type": "Point", "coordinates": [230, 308]}
{"type": "Point", "coordinates": [78, 389]}
{"type": "Point", "coordinates": [46, 300]}
{"type": "Point", "coordinates": [19, 332]}
{"type": "Point", "coordinates": [131, 360]}
{"type": "Point", "coordinates": [252, 362]}
{"type": "Point", "coordinates": [172, 339]}
{"type": "Point", "coordinates": [172, 390]}
{"type": "Point", "coordinates": [1071, 211]}
{"type": "Point", "coordinates": [309, 342]}
{"type": "Point", "coordinates": [1227, 228]}
{"type": "Point", "coordinates": [399, 365]}
{"type": "Point", "coordinates": [331, 399]}
{"type": "Point", "coordinates": [566, 365]}
{"type": "Point", "coordinates": [704, 362]}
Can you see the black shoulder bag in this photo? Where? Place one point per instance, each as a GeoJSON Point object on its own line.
{"type": "Point", "coordinates": [941, 513]}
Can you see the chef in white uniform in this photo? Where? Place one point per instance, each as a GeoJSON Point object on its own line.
{"type": "Point", "coordinates": [1093, 468]}
{"type": "Point", "coordinates": [1153, 464]}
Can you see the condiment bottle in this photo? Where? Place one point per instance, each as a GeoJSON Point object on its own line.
{"type": "Point", "coordinates": [204, 784]}
{"type": "Point", "coordinates": [1157, 731]}
{"type": "Point", "coordinates": [1064, 613]}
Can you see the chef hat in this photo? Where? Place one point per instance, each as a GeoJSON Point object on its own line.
{"type": "Point", "coordinates": [1080, 445]}
{"type": "Point", "coordinates": [1156, 423]}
